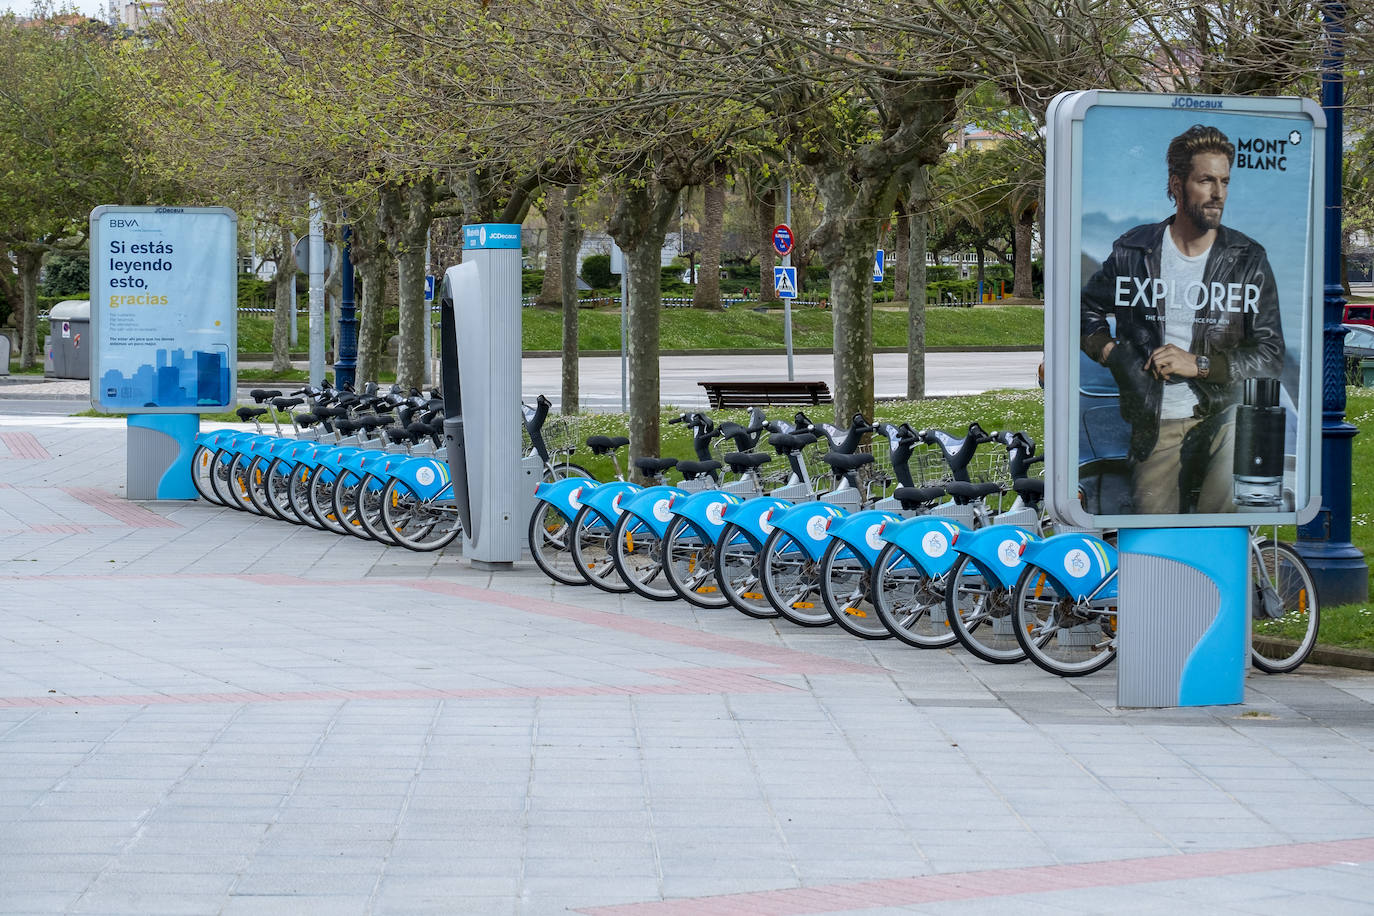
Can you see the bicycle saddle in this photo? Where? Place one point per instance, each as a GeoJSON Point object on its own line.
{"type": "Point", "coordinates": [604, 445]}
{"type": "Point", "coordinates": [655, 465]}
{"type": "Point", "coordinates": [740, 462]}
{"type": "Point", "coordinates": [915, 497]}
{"type": "Point", "coordinates": [792, 442]}
{"type": "Point", "coordinates": [262, 394]}
{"type": "Point", "coordinates": [963, 491]}
{"type": "Point", "coordinates": [842, 462]}
{"type": "Point", "coordinates": [287, 403]}
{"type": "Point", "coordinates": [247, 413]}
{"type": "Point", "coordinates": [306, 419]}
{"type": "Point", "coordinates": [691, 469]}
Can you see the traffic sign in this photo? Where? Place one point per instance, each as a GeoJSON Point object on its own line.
{"type": "Point", "coordinates": [878, 258]}
{"type": "Point", "coordinates": [429, 288]}
{"type": "Point", "coordinates": [785, 282]}
{"type": "Point", "coordinates": [782, 239]}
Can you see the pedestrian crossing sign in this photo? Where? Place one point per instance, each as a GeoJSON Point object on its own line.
{"type": "Point", "coordinates": [785, 282]}
{"type": "Point", "coordinates": [878, 264]}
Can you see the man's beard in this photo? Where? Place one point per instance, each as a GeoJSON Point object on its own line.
{"type": "Point", "coordinates": [1202, 217]}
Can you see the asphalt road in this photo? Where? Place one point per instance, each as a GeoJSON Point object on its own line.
{"type": "Point", "coordinates": [600, 378]}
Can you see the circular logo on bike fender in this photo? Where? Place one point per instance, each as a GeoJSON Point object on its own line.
{"type": "Point", "coordinates": [871, 536]}
{"type": "Point", "coordinates": [764, 524]}
{"type": "Point", "coordinates": [663, 511]}
{"type": "Point", "coordinates": [815, 528]}
{"type": "Point", "coordinates": [1076, 563]}
{"type": "Point", "coordinates": [715, 513]}
{"type": "Point", "coordinates": [424, 476]}
{"type": "Point", "coordinates": [1009, 552]}
{"type": "Point", "coordinates": [615, 503]}
{"type": "Point", "coordinates": [935, 544]}
{"type": "Point", "coordinates": [575, 498]}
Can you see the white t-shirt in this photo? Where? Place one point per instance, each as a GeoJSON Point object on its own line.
{"type": "Point", "coordinates": [1180, 273]}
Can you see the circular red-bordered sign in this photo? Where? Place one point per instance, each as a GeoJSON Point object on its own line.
{"type": "Point", "coordinates": [782, 239]}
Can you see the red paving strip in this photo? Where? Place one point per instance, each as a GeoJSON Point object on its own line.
{"type": "Point", "coordinates": [25, 445]}
{"type": "Point", "coordinates": [61, 529]}
{"type": "Point", "coordinates": [131, 514]}
{"type": "Point", "coordinates": [1008, 882]}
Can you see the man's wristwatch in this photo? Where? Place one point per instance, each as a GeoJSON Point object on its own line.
{"type": "Point", "coordinates": [1204, 366]}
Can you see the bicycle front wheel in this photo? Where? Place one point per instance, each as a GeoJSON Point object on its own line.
{"type": "Point", "coordinates": [638, 557]}
{"type": "Point", "coordinates": [202, 465]}
{"type": "Point", "coordinates": [322, 498]}
{"type": "Point", "coordinates": [592, 549]}
{"type": "Point", "coordinates": [980, 614]}
{"type": "Point", "coordinates": [299, 485]}
{"type": "Point", "coordinates": [737, 574]}
{"type": "Point", "coordinates": [910, 604]}
{"type": "Point", "coordinates": [416, 523]}
{"type": "Point", "coordinates": [370, 509]}
{"type": "Point", "coordinates": [846, 592]}
{"type": "Point", "coordinates": [1063, 636]}
{"type": "Point", "coordinates": [347, 492]}
{"type": "Point", "coordinates": [1286, 613]}
{"type": "Point", "coordinates": [278, 487]}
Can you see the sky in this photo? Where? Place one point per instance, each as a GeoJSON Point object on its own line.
{"type": "Point", "coordinates": [94, 8]}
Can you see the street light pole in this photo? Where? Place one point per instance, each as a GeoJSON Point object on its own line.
{"type": "Point", "coordinates": [1338, 566]}
{"type": "Point", "coordinates": [346, 367]}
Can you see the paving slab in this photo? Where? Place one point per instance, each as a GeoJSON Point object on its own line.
{"type": "Point", "coordinates": [203, 711]}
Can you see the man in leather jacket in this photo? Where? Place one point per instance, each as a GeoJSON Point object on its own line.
{"type": "Point", "coordinates": [1196, 312]}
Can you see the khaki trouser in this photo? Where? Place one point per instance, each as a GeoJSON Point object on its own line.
{"type": "Point", "coordinates": [1154, 482]}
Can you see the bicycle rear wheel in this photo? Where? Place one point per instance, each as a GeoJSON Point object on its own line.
{"type": "Point", "coordinates": [298, 490]}
{"type": "Point", "coordinates": [737, 574]}
{"type": "Point", "coordinates": [221, 479]}
{"type": "Point", "coordinates": [370, 509]}
{"type": "Point", "coordinates": [910, 604]}
{"type": "Point", "coordinates": [689, 562]}
{"type": "Point", "coordinates": [322, 498]}
{"type": "Point", "coordinates": [1286, 613]}
{"type": "Point", "coordinates": [638, 556]}
{"type": "Point", "coordinates": [592, 548]}
{"type": "Point", "coordinates": [792, 582]}
{"type": "Point", "coordinates": [846, 591]}
{"type": "Point", "coordinates": [1063, 636]}
{"type": "Point", "coordinates": [278, 487]}
{"type": "Point", "coordinates": [561, 470]}
{"type": "Point", "coordinates": [980, 614]}
{"type": "Point", "coordinates": [240, 484]}
{"type": "Point", "coordinates": [550, 540]}
{"type": "Point", "coordinates": [202, 463]}
{"type": "Point", "coordinates": [346, 493]}
{"type": "Point", "coordinates": [256, 479]}
{"type": "Point", "coordinates": [416, 523]}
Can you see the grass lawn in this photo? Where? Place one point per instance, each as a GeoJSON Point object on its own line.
{"type": "Point", "coordinates": [745, 329]}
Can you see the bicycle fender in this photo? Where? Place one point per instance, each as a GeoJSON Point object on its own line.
{"type": "Point", "coordinates": [809, 525]}
{"type": "Point", "coordinates": [706, 511]}
{"type": "Point", "coordinates": [290, 452]}
{"type": "Point", "coordinates": [426, 476]}
{"type": "Point", "coordinates": [653, 506]}
{"type": "Point", "coordinates": [752, 517]}
{"type": "Point", "coordinates": [564, 495]}
{"type": "Point", "coordinates": [218, 438]}
{"type": "Point", "coordinates": [607, 500]}
{"type": "Point", "coordinates": [996, 551]}
{"type": "Point", "coordinates": [862, 532]}
{"type": "Point", "coordinates": [927, 540]}
{"type": "Point", "coordinates": [313, 454]}
{"type": "Point", "coordinates": [1076, 563]}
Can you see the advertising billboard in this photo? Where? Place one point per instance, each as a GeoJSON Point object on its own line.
{"type": "Point", "coordinates": [1183, 296]}
{"type": "Point", "coordinates": [164, 306]}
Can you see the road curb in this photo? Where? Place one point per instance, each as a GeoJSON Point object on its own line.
{"type": "Point", "coordinates": [1335, 656]}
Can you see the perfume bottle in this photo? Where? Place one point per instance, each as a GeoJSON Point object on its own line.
{"type": "Point", "coordinates": [1258, 463]}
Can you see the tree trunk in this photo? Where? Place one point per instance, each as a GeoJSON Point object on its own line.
{"type": "Point", "coordinates": [369, 264]}
{"type": "Point", "coordinates": [407, 212]}
{"type": "Point", "coordinates": [918, 216]}
{"type": "Point", "coordinates": [570, 244]}
{"type": "Point", "coordinates": [639, 226]}
{"type": "Point", "coordinates": [766, 213]}
{"type": "Point", "coordinates": [706, 294]}
{"type": "Point", "coordinates": [284, 289]}
{"type": "Point", "coordinates": [551, 292]}
{"type": "Point", "coordinates": [981, 289]}
{"type": "Point", "coordinates": [1022, 287]}
{"type": "Point", "coordinates": [851, 298]}
{"type": "Point", "coordinates": [901, 245]}
{"type": "Point", "coordinates": [29, 263]}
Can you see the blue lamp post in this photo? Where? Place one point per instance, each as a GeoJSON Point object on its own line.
{"type": "Point", "coordinates": [346, 368]}
{"type": "Point", "coordinates": [1340, 570]}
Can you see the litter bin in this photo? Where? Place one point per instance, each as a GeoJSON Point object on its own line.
{"type": "Point", "coordinates": [69, 323]}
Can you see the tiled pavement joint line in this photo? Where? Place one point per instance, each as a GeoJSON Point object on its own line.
{"type": "Point", "coordinates": [999, 883]}
{"type": "Point", "coordinates": [133, 515]}
{"type": "Point", "coordinates": [25, 446]}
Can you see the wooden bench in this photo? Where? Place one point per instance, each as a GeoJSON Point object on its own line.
{"type": "Point", "coordinates": [727, 394]}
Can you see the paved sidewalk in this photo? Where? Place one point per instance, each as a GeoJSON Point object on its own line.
{"type": "Point", "coordinates": [203, 711]}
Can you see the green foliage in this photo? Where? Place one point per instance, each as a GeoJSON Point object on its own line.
{"type": "Point", "coordinates": [531, 282]}
{"type": "Point", "coordinates": [596, 271]}
{"type": "Point", "coordinates": [940, 272]}
{"type": "Point", "coordinates": [956, 290]}
{"type": "Point", "coordinates": [67, 274]}
{"type": "Point", "coordinates": [255, 294]}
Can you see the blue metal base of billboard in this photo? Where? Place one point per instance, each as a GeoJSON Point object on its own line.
{"type": "Point", "coordinates": [159, 452]}
{"type": "Point", "coordinates": [1184, 615]}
